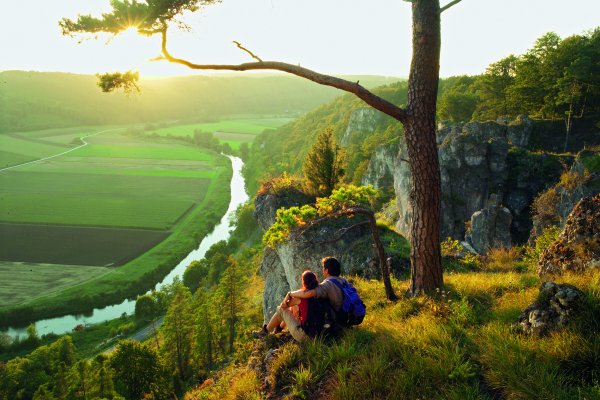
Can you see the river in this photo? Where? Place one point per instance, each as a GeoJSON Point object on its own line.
{"type": "Point", "coordinates": [66, 323]}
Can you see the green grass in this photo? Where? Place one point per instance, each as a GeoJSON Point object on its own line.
{"type": "Point", "coordinates": [75, 245]}
{"type": "Point", "coordinates": [8, 158]}
{"type": "Point", "coordinates": [97, 200]}
{"type": "Point", "coordinates": [461, 343]}
{"type": "Point", "coordinates": [127, 166]}
{"type": "Point", "coordinates": [252, 126]}
{"type": "Point", "coordinates": [24, 281]}
{"type": "Point", "coordinates": [234, 139]}
{"type": "Point", "coordinates": [27, 148]}
{"type": "Point", "coordinates": [174, 152]}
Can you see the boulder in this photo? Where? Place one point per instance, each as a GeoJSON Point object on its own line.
{"type": "Point", "coordinates": [578, 245]}
{"type": "Point", "coordinates": [555, 307]}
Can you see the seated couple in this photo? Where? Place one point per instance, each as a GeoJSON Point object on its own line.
{"type": "Point", "coordinates": [293, 312]}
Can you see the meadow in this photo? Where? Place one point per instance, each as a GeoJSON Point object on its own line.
{"type": "Point", "coordinates": [231, 131]}
{"type": "Point", "coordinates": [116, 202]}
{"type": "Point", "coordinates": [19, 280]}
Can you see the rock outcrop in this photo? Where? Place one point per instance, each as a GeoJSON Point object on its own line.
{"type": "Point", "coordinates": [362, 123]}
{"type": "Point", "coordinates": [490, 227]}
{"type": "Point", "coordinates": [554, 205]}
{"type": "Point", "coordinates": [477, 161]}
{"type": "Point", "coordinates": [578, 246]}
{"type": "Point", "coordinates": [553, 310]}
{"type": "Point", "coordinates": [380, 172]}
{"type": "Point", "coordinates": [347, 239]}
{"type": "Point", "coordinates": [473, 165]}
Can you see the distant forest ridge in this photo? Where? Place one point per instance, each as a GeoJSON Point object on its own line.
{"type": "Point", "coordinates": [40, 100]}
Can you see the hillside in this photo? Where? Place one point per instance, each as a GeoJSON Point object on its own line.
{"type": "Point", "coordinates": [42, 100]}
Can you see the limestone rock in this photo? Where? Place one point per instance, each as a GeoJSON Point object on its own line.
{"type": "Point", "coordinates": [473, 164]}
{"type": "Point", "coordinates": [554, 308]}
{"type": "Point", "coordinates": [347, 239]}
{"type": "Point", "coordinates": [363, 122]}
{"type": "Point", "coordinates": [490, 227]}
{"type": "Point", "coordinates": [578, 246]}
{"type": "Point", "coordinates": [380, 172]}
{"type": "Point", "coordinates": [519, 131]}
{"type": "Point", "coordinates": [271, 199]}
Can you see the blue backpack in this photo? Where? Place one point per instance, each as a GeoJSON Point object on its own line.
{"type": "Point", "coordinates": [353, 309]}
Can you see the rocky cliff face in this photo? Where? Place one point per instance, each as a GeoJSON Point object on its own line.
{"type": "Point", "coordinates": [363, 122]}
{"type": "Point", "coordinates": [476, 162]}
{"type": "Point", "coordinates": [347, 239]}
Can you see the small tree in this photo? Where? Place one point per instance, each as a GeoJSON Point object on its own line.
{"type": "Point", "coordinates": [146, 308]}
{"type": "Point", "coordinates": [323, 164]}
{"type": "Point", "coordinates": [139, 370]}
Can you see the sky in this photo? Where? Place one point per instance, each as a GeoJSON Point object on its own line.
{"type": "Point", "coordinates": [329, 36]}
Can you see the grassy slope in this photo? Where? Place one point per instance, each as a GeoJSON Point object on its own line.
{"type": "Point", "coordinates": [460, 344]}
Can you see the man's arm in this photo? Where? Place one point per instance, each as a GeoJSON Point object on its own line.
{"type": "Point", "coordinates": [304, 294]}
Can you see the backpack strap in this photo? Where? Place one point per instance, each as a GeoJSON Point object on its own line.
{"type": "Point", "coordinates": [339, 285]}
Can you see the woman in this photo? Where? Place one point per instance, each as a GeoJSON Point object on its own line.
{"type": "Point", "coordinates": [285, 315]}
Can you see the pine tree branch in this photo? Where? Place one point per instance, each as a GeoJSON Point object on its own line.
{"type": "Point", "coordinates": [352, 87]}
{"type": "Point", "coordinates": [447, 6]}
{"type": "Point", "coordinates": [238, 44]}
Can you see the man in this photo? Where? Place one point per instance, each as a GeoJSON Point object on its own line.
{"type": "Point", "coordinates": [325, 290]}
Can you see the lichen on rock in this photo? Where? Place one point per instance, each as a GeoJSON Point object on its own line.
{"type": "Point", "coordinates": [578, 246]}
{"type": "Point", "coordinates": [555, 307]}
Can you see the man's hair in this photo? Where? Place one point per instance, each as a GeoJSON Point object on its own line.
{"type": "Point", "coordinates": [332, 265]}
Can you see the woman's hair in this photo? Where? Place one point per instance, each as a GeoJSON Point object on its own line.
{"type": "Point", "coordinates": [309, 280]}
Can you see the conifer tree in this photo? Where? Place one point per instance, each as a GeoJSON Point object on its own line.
{"type": "Point", "coordinates": [177, 330]}
{"type": "Point", "coordinates": [204, 329]}
{"type": "Point", "coordinates": [323, 164]}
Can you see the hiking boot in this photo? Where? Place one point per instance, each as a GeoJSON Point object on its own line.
{"type": "Point", "coordinates": [261, 333]}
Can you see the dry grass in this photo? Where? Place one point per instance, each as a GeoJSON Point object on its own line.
{"type": "Point", "coordinates": [460, 343]}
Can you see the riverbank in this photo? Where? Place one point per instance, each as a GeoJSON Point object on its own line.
{"type": "Point", "coordinates": [137, 276]}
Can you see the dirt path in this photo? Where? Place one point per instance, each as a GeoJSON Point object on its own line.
{"type": "Point", "coordinates": [62, 153]}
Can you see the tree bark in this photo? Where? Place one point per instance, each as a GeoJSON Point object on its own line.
{"type": "Point", "coordinates": [425, 199]}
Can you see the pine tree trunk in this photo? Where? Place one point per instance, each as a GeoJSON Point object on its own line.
{"type": "Point", "coordinates": [425, 199]}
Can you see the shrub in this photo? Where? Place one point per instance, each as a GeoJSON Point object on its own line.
{"type": "Point", "coordinates": [545, 239]}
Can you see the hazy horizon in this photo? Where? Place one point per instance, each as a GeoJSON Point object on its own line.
{"type": "Point", "coordinates": [335, 37]}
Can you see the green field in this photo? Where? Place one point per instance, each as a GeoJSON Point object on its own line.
{"type": "Point", "coordinates": [252, 126]}
{"type": "Point", "coordinates": [22, 280]}
{"type": "Point", "coordinates": [81, 208]}
{"type": "Point", "coordinates": [232, 131]}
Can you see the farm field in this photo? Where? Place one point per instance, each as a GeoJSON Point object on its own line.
{"type": "Point", "coordinates": [75, 245]}
{"type": "Point", "coordinates": [99, 208]}
{"type": "Point", "coordinates": [22, 147]}
{"type": "Point", "coordinates": [232, 131]}
{"type": "Point", "coordinates": [21, 280]}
